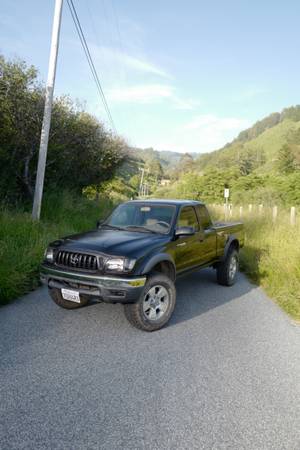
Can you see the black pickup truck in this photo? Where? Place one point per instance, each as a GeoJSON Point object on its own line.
{"type": "Point", "coordinates": [135, 255]}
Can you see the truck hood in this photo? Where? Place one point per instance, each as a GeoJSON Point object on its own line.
{"type": "Point", "coordinates": [131, 244]}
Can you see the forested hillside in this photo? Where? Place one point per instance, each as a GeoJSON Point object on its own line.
{"type": "Point", "coordinates": [261, 165]}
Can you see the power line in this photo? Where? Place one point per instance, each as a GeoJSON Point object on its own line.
{"type": "Point", "coordinates": [90, 60]}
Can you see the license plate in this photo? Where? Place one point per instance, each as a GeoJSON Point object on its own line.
{"type": "Point", "coordinates": [72, 296]}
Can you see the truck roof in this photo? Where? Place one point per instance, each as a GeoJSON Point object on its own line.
{"type": "Point", "coordinates": [166, 201]}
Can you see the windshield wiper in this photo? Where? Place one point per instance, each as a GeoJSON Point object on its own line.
{"type": "Point", "coordinates": [113, 227]}
{"type": "Point", "coordinates": [140, 227]}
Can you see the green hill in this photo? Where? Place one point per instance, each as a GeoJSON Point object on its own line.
{"type": "Point", "coordinates": [262, 165]}
{"type": "Point", "coordinates": [263, 149]}
{"type": "Point", "coordinates": [259, 145]}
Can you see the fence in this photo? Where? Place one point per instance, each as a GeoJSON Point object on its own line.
{"type": "Point", "coordinates": [272, 212]}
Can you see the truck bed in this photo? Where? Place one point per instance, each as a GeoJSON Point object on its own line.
{"type": "Point", "coordinates": [225, 231]}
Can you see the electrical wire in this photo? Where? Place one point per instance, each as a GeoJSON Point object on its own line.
{"type": "Point", "coordinates": [90, 60]}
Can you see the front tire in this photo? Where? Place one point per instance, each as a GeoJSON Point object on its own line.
{"type": "Point", "coordinates": [228, 269]}
{"type": "Point", "coordinates": [56, 296]}
{"type": "Point", "coordinates": [155, 306]}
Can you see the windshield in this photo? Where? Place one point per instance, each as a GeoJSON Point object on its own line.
{"type": "Point", "coordinates": [142, 217]}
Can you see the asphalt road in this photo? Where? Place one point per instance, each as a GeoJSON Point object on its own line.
{"type": "Point", "coordinates": [224, 374]}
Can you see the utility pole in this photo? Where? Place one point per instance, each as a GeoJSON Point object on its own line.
{"type": "Point", "coordinates": [39, 184]}
{"type": "Point", "coordinates": [142, 188]}
{"type": "Point", "coordinates": [142, 179]}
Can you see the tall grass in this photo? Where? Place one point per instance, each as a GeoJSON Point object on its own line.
{"type": "Point", "coordinates": [22, 241]}
{"type": "Point", "coordinates": [271, 257]}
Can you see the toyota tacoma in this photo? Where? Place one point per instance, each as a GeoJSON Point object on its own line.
{"type": "Point", "coordinates": [135, 255]}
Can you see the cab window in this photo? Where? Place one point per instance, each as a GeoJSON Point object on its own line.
{"type": "Point", "coordinates": [188, 218]}
{"type": "Point", "coordinates": [204, 217]}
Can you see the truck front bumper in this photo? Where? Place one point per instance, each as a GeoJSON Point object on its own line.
{"type": "Point", "coordinates": [109, 289]}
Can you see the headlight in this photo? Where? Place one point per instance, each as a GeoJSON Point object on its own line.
{"type": "Point", "coordinates": [49, 255]}
{"type": "Point", "coordinates": [119, 265]}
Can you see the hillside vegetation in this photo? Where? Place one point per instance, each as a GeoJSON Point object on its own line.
{"type": "Point", "coordinates": [262, 165]}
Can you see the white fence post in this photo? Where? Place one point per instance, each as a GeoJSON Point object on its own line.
{"type": "Point", "coordinates": [293, 215]}
{"type": "Point", "coordinates": [228, 211]}
{"type": "Point", "coordinates": [275, 213]}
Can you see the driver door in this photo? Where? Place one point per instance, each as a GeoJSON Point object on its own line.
{"type": "Point", "coordinates": [188, 248]}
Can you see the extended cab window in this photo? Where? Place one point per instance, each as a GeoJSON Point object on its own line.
{"type": "Point", "coordinates": [188, 218]}
{"type": "Point", "coordinates": [204, 217]}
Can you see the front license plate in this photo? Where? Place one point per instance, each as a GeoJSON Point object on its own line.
{"type": "Point", "coordinates": [72, 296]}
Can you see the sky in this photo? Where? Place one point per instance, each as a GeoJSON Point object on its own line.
{"type": "Point", "coordinates": [186, 76]}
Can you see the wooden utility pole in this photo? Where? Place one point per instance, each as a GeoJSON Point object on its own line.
{"type": "Point", "coordinates": [142, 179]}
{"type": "Point", "coordinates": [142, 187]}
{"type": "Point", "coordinates": [39, 184]}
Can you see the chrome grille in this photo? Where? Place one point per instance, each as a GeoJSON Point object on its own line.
{"type": "Point", "coordinates": [77, 260]}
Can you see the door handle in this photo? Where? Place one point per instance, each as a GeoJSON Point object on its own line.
{"type": "Point", "coordinates": [181, 244]}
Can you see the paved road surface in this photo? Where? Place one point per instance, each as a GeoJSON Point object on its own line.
{"type": "Point", "coordinates": [225, 374]}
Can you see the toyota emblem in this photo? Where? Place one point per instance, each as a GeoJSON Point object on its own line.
{"type": "Point", "coordinates": [74, 260]}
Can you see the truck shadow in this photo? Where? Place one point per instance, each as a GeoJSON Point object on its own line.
{"type": "Point", "coordinates": [198, 292]}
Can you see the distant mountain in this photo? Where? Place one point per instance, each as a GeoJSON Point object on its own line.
{"type": "Point", "coordinates": [167, 159]}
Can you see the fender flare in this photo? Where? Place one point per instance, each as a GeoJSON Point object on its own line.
{"type": "Point", "coordinates": [155, 259]}
{"type": "Point", "coordinates": [230, 240]}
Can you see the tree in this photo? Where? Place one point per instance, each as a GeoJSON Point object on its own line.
{"type": "Point", "coordinates": [186, 163]}
{"type": "Point", "coordinates": [286, 160]}
{"type": "Point", "coordinates": [155, 171]}
{"type": "Point", "coordinates": [21, 108]}
{"type": "Point", "coordinates": [80, 151]}
{"type": "Point", "coordinates": [292, 113]}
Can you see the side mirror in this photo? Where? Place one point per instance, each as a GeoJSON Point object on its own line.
{"type": "Point", "coordinates": [184, 231]}
{"type": "Point", "coordinates": [99, 222]}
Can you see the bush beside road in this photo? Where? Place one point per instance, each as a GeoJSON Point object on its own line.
{"type": "Point", "coordinates": [23, 241]}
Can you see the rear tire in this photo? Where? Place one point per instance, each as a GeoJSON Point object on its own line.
{"type": "Point", "coordinates": [56, 296]}
{"type": "Point", "coordinates": [228, 269]}
{"type": "Point", "coordinates": [155, 306]}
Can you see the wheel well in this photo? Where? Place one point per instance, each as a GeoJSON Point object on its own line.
{"type": "Point", "coordinates": [234, 244]}
{"type": "Point", "coordinates": [167, 268]}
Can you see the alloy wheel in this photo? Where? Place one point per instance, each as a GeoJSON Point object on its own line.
{"type": "Point", "coordinates": [156, 302]}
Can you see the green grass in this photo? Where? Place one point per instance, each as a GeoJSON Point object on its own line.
{"type": "Point", "coordinates": [271, 258]}
{"type": "Point", "coordinates": [23, 242]}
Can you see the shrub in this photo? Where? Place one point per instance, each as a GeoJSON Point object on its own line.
{"type": "Point", "coordinates": [23, 241]}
